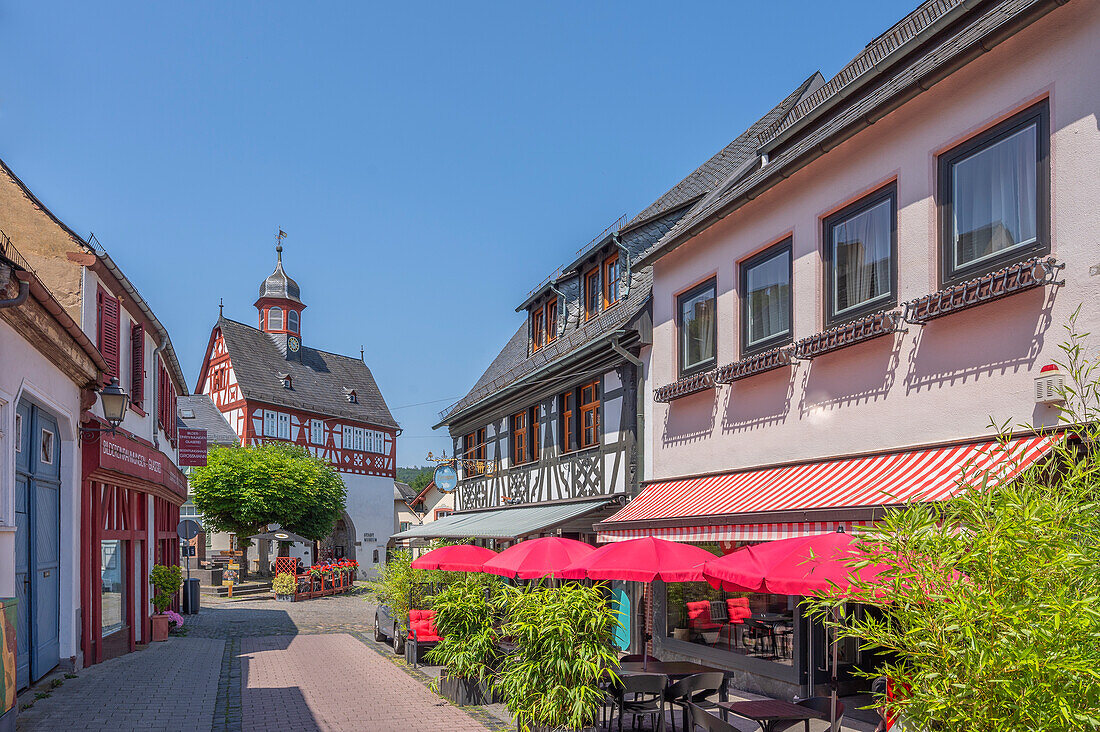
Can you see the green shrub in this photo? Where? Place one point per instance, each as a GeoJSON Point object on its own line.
{"type": "Point", "coordinates": [166, 583]}
{"type": "Point", "coordinates": [564, 650]}
{"type": "Point", "coordinates": [284, 584]}
{"type": "Point", "coordinates": [467, 613]}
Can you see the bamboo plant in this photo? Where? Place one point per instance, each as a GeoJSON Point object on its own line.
{"type": "Point", "coordinates": [467, 615]}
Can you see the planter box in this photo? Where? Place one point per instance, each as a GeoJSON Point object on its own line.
{"type": "Point", "coordinates": [161, 625]}
{"type": "Point", "coordinates": [285, 598]}
{"type": "Point", "coordinates": [466, 692]}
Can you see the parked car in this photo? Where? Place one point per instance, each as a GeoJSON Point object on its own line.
{"type": "Point", "coordinates": [389, 629]}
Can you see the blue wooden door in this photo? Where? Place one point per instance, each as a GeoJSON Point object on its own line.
{"type": "Point", "coordinates": [621, 603]}
{"type": "Point", "coordinates": [38, 542]}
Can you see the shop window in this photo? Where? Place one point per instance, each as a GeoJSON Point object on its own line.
{"type": "Point", "coordinates": [592, 293]}
{"type": "Point", "coordinates": [697, 326]}
{"type": "Point", "coordinates": [758, 625]}
{"type": "Point", "coordinates": [590, 415]}
{"type": "Point", "coordinates": [611, 280]}
{"type": "Point", "coordinates": [995, 197]}
{"type": "Point", "coordinates": [861, 258]}
{"type": "Point", "coordinates": [766, 299]}
{"type": "Point", "coordinates": [113, 589]}
{"type": "Point", "coordinates": [552, 320]}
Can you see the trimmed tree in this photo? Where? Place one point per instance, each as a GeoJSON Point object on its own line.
{"type": "Point", "coordinates": [243, 489]}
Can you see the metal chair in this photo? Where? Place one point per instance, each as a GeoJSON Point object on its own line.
{"type": "Point", "coordinates": [701, 718]}
{"type": "Point", "coordinates": [819, 704]}
{"type": "Point", "coordinates": [642, 695]}
{"type": "Point", "coordinates": [693, 690]}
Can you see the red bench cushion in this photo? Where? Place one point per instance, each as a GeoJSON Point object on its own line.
{"type": "Point", "coordinates": [422, 626]}
{"type": "Point", "coordinates": [699, 616]}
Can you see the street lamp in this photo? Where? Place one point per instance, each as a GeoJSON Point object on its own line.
{"type": "Point", "coordinates": [115, 402]}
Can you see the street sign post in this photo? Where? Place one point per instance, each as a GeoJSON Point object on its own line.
{"type": "Point", "coordinates": [187, 530]}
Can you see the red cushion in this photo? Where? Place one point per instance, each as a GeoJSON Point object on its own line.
{"type": "Point", "coordinates": [699, 616]}
{"type": "Point", "coordinates": [738, 608]}
{"type": "Point", "coordinates": [422, 626]}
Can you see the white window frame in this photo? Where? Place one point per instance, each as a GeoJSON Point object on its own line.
{"type": "Point", "coordinates": [284, 426]}
{"type": "Point", "coordinates": [271, 423]}
{"type": "Point", "coordinates": [316, 432]}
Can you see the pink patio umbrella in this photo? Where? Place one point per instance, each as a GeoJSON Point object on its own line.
{"type": "Point", "coordinates": [642, 560]}
{"type": "Point", "coordinates": [536, 558]}
{"type": "Point", "coordinates": [803, 565]}
{"type": "Point", "coordinates": [456, 558]}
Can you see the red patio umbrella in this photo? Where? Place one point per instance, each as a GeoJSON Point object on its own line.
{"type": "Point", "coordinates": [536, 558]}
{"type": "Point", "coordinates": [456, 558]}
{"type": "Point", "coordinates": [642, 560]}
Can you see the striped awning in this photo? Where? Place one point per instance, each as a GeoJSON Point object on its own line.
{"type": "Point", "coordinates": [736, 506]}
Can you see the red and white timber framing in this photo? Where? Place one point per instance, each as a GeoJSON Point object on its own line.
{"type": "Point", "coordinates": [246, 417]}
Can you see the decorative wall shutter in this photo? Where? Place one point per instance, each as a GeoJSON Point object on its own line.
{"type": "Point", "coordinates": [137, 365]}
{"type": "Point", "coordinates": [107, 330]}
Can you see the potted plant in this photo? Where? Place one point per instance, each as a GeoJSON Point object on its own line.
{"type": "Point", "coordinates": [166, 583]}
{"type": "Point", "coordinates": [284, 586]}
{"type": "Point", "coordinates": [564, 651]}
{"type": "Point", "coordinates": [467, 613]}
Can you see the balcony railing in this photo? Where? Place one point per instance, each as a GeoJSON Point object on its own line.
{"type": "Point", "coordinates": [849, 334]}
{"type": "Point", "coordinates": [685, 386]}
{"type": "Point", "coordinates": [776, 358]}
{"type": "Point", "coordinates": [1026, 275]}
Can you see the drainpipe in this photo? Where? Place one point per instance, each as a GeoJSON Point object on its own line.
{"type": "Point", "coordinates": [626, 256]}
{"type": "Point", "coordinates": [156, 386]}
{"type": "Point", "coordinates": [24, 290]}
{"type": "Point", "coordinates": [563, 308]}
{"type": "Point", "coordinates": [640, 404]}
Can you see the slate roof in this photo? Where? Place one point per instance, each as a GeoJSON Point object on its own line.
{"type": "Point", "coordinates": [206, 417]}
{"type": "Point", "coordinates": [319, 378]}
{"type": "Point", "coordinates": [403, 491]}
{"type": "Point", "coordinates": [718, 168]}
{"type": "Point", "coordinates": [279, 284]}
{"type": "Point", "coordinates": [905, 60]}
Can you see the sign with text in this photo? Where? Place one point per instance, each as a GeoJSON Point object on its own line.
{"type": "Point", "coordinates": [192, 452]}
{"type": "Point", "coordinates": [123, 454]}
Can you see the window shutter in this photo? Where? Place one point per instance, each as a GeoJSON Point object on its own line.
{"type": "Point", "coordinates": [107, 307]}
{"type": "Point", "coordinates": [137, 365]}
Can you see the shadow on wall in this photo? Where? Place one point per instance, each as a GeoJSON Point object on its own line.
{"type": "Point", "coordinates": [997, 338]}
{"type": "Point", "coordinates": [858, 374]}
{"type": "Point", "coordinates": [759, 401]}
{"type": "Point", "coordinates": [691, 418]}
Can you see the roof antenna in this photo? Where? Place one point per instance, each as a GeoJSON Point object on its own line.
{"type": "Point", "coordinates": [361, 353]}
{"type": "Point", "coordinates": [221, 305]}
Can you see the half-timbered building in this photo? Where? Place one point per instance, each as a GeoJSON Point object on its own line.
{"type": "Point", "coordinates": [271, 386]}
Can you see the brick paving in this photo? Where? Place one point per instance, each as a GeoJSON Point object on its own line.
{"type": "Point", "coordinates": [247, 666]}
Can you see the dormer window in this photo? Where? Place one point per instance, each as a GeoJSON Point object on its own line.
{"type": "Point", "coordinates": [275, 318]}
{"type": "Point", "coordinates": [611, 280]}
{"type": "Point", "coordinates": [351, 396]}
{"type": "Point", "coordinates": [591, 293]}
{"type": "Point", "coordinates": [292, 321]}
{"type": "Point", "coordinates": [551, 320]}
{"type": "Point", "coordinates": [538, 329]}
{"type": "Point", "coordinates": [287, 382]}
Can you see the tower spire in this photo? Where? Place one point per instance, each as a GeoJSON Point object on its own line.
{"type": "Point", "coordinates": [279, 244]}
{"type": "Point", "coordinates": [221, 306]}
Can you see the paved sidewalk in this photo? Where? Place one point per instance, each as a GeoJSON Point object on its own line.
{"type": "Point", "coordinates": [167, 686]}
{"type": "Point", "coordinates": [335, 682]}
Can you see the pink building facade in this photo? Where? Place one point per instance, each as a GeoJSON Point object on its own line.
{"type": "Point", "coordinates": [814, 309]}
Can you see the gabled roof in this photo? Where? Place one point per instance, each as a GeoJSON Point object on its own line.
{"type": "Point", "coordinates": [726, 161]}
{"type": "Point", "coordinates": [924, 47]}
{"type": "Point", "coordinates": [205, 416]}
{"type": "Point", "coordinates": [403, 492]}
{"type": "Point", "coordinates": [319, 378]}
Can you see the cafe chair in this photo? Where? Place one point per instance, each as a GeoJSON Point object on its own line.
{"type": "Point", "coordinates": [642, 695]}
{"type": "Point", "coordinates": [704, 720]}
{"type": "Point", "coordinates": [819, 704]}
{"type": "Point", "coordinates": [693, 690]}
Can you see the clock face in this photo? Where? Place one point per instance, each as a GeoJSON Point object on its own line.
{"type": "Point", "coordinates": [293, 344]}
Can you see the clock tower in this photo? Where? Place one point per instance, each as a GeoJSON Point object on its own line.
{"type": "Point", "coordinates": [280, 308]}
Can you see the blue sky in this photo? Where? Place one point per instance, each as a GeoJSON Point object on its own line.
{"type": "Point", "coordinates": [431, 162]}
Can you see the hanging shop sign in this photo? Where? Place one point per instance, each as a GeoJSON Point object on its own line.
{"type": "Point", "coordinates": [192, 448]}
{"type": "Point", "coordinates": [122, 455]}
{"type": "Point", "coordinates": [446, 478]}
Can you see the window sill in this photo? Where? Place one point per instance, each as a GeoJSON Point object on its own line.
{"type": "Point", "coordinates": [1025, 275]}
{"type": "Point", "coordinates": [759, 363]}
{"type": "Point", "coordinates": [857, 331]}
{"type": "Point", "coordinates": [688, 385]}
{"type": "Point", "coordinates": [138, 410]}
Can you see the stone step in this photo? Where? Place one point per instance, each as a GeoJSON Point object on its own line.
{"type": "Point", "coordinates": [246, 588]}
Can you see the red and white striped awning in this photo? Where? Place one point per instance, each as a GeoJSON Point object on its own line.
{"type": "Point", "coordinates": [922, 475]}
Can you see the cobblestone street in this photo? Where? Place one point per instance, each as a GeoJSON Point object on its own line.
{"type": "Point", "coordinates": [252, 665]}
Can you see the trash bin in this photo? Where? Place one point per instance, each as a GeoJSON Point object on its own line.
{"type": "Point", "coordinates": [191, 596]}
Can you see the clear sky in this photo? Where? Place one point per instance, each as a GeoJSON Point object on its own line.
{"type": "Point", "coordinates": [430, 162]}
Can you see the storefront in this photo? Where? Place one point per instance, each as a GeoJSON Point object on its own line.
{"type": "Point", "coordinates": [131, 496]}
{"type": "Point", "coordinates": [767, 640]}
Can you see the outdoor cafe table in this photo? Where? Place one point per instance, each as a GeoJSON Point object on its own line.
{"type": "Point", "coordinates": [674, 670]}
{"type": "Point", "coordinates": [769, 712]}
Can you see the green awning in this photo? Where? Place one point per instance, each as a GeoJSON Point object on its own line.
{"type": "Point", "coordinates": [504, 523]}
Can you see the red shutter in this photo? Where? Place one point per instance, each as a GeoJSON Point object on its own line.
{"type": "Point", "coordinates": [107, 330]}
{"type": "Point", "coordinates": [166, 409]}
{"type": "Point", "coordinates": [137, 365]}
